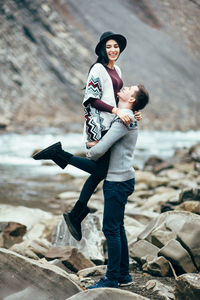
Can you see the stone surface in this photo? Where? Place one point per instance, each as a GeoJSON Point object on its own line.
{"type": "Point", "coordinates": [189, 235]}
{"type": "Point", "coordinates": [106, 294]}
{"type": "Point", "coordinates": [20, 274]}
{"type": "Point", "coordinates": [97, 270]}
{"type": "Point", "coordinates": [190, 194]}
{"type": "Point", "coordinates": [159, 266]}
{"type": "Point", "coordinates": [71, 257]}
{"type": "Point", "coordinates": [178, 256]}
{"type": "Point", "coordinates": [188, 287]}
{"type": "Point", "coordinates": [162, 290]}
{"type": "Point", "coordinates": [37, 221]}
{"type": "Point", "coordinates": [194, 152]}
{"type": "Point", "coordinates": [192, 206]}
{"type": "Point", "coordinates": [34, 249]}
{"type": "Point", "coordinates": [91, 244]}
{"type": "Point", "coordinates": [11, 233]}
{"type": "Point", "coordinates": [142, 248]}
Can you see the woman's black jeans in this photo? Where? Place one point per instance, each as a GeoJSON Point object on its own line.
{"type": "Point", "coordinates": [98, 170]}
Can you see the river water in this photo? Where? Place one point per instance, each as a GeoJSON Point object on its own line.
{"type": "Point", "coordinates": [30, 183]}
{"type": "Point", "coordinates": [16, 149]}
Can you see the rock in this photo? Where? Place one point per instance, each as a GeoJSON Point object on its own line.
{"type": "Point", "coordinates": [12, 233]}
{"type": "Point", "coordinates": [71, 257]}
{"type": "Point", "coordinates": [165, 291]}
{"type": "Point", "coordinates": [142, 248]}
{"type": "Point", "coordinates": [34, 249]}
{"type": "Point", "coordinates": [154, 202]}
{"type": "Point", "coordinates": [39, 223]}
{"type": "Point", "coordinates": [107, 294]}
{"type": "Point", "coordinates": [91, 244]}
{"type": "Point", "coordinates": [162, 166]}
{"type": "Point", "coordinates": [156, 164]}
{"type": "Point", "coordinates": [189, 236]}
{"type": "Point", "coordinates": [184, 183]}
{"type": "Point", "coordinates": [190, 194]}
{"type": "Point", "coordinates": [159, 266]}
{"type": "Point", "coordinates": [172, 220]}
{"type": "Point", "coordinates": [93, 271]}
{"type": "Point", "coordinates": [23, 275]}
{"type": "Point", "coordinates": [194, 152]}
{"type": "Point", "coordinates": [180, 224]}
{"type": "Point", "coordinates": [188, 287]}
{"type": "Point", "coordinates": [4, 123]}
{"type": "Point", "coordinates": [151, 162]}
{"type": "Point", "coordinates": [69, 195]}
{"type": "Point", "coordinates": [191, 206]}
{"type": "Point", "coordinates": [178, 256]}
{"type": "Point", "coordinates": [143, 217]}
{"type": "Point", "coordinates": [172, 174]}
{"type": "Point", "coordinates": [133, 228]}
{"type": "Point", "coordinates": [30, 293]}
{"type": "Point", "coordinates": [150, 179]}
{"type": "Point", "coordinates": [161, 236]}
{"type": "Point", "coordinates": [197, 167]}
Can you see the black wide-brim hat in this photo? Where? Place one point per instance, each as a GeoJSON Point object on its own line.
{"type": "Point", "coordinates": [108, 35]}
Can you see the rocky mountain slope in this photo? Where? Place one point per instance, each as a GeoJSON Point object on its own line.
{"type": "Point", "coordinates": [47, 48]}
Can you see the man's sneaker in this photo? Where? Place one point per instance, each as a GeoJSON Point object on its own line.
{"type": "Point", "coordinates": [125, 280]}
{"type": "Point", "coordinates": [104, 282]}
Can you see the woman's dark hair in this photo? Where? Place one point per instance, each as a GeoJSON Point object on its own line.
{"type": "Point", "coordinates": [102, 57]}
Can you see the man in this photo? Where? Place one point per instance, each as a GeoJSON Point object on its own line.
{"type": "Point", "coordinates": [119, 184]}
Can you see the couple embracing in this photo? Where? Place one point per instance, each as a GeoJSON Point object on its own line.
{"type": "Point", "coordinates": [111, 130]}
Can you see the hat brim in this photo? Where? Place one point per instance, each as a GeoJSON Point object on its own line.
{"type": "Point", "coordinates": [120, 39]}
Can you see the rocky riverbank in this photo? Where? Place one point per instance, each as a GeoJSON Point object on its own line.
{"type": "Point", "coordinates": [47, 47]}
{"type": "Point", "coordinates": [40, 259]}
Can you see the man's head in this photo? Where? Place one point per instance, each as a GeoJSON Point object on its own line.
{"type": "Point", "coordinates": [134, 97]}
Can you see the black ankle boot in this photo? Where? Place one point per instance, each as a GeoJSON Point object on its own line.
{"type": "Point", "coordinates": [74, 218]}
{"type": "Point", "coordinates": [55, 153]}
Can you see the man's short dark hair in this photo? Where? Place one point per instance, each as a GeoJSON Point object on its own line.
{"type": "Point", "coordinates": [142, 98]}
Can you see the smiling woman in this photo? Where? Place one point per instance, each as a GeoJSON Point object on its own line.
{"type": "Point", "coordinates": [113, 51]}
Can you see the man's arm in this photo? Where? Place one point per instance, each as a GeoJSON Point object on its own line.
{"type": "Point", "coordinates": [116, 131]}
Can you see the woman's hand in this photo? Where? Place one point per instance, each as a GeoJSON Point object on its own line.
{"type": "Point", "coordinates": [138, 115]}
{"type": "Point", "coordinates": [91, 144]}
{"type": "Point", "coordinates": [122, 115]}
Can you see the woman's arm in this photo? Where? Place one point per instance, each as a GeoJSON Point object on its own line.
{"type": "Point", "coordinates": [103, 106]}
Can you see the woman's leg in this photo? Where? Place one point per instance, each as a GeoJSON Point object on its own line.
{"type": "Point", "coordinates": [80, 210]}
{"type": "Point", "coordinates": [63, 158]}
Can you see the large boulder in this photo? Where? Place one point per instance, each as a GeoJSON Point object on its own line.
{"type": "Point", "coordinates": [173, 227]}
{"type": "Point", "coordinates": [39, 223]}
{"type": "Point", "coordinates": [33, 279]}
{"type": "Point", "coordinates": [178, 256]}
{"type": "Point", "coordinates": [34, 249]}
{"type": "Point", "coordinates": [91, 244]}
{"type": "Point", "coordinates": [141, 249]}
{"type": "Point", "coordinates": [11, 233]}
{"type": "Point", "coordinates": [71, 257]}
{"type": "Point", "coordinates": [107, 294]}
{"type": "Point", "coordinates": [188, 287]}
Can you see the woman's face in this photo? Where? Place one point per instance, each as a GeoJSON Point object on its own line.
{"type": "Point", "coordinates": [112, 50]}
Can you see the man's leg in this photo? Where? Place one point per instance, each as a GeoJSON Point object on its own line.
{"type": "Point", "coordinates": [125, 279]}
{"type": "Point", "coordinates": [113, 215]}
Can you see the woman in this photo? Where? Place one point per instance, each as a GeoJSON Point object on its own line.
{"type": "Point", "coordinates": [100, 106]}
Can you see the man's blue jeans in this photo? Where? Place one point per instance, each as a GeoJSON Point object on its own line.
{"type": "Point", "coordinates": [115, 199]}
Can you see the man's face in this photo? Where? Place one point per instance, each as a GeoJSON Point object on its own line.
{"type": "Point", "coordinates": [128, 92]}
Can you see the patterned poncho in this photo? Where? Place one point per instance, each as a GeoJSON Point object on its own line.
{"type": "Point", "coordinates": [99, 86]}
